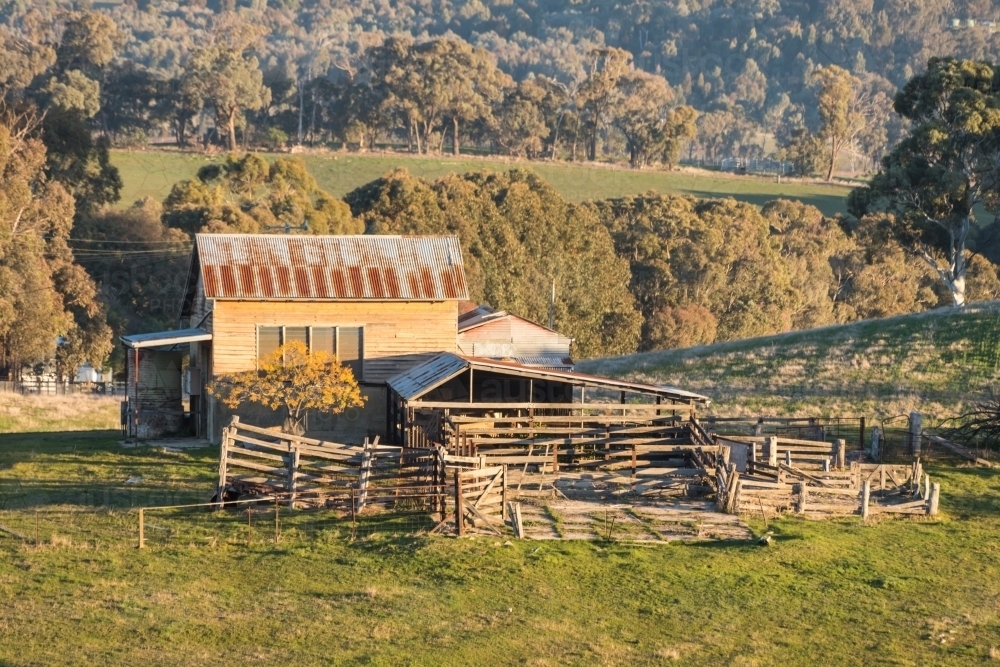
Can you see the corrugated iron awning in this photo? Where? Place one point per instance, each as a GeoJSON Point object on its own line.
{"type": "Point", "coordinates": [429, 375]}
{"type": "Point", "coordinates": [434, 372]}
{"type": "Point", "coordinates": [165, 338]}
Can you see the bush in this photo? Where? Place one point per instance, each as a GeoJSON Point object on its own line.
{"type": "Point", "coordinates": [684, 326]}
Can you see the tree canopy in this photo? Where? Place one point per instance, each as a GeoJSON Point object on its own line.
{"type": "Point", "coordinates": [932, 183]}
{"type": "Point", "coordinates": [510, 259]}
{"type": "Point", "coordinates": [293, 380]}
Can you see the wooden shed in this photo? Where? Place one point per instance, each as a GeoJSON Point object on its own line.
{"type": "Point", "coordinates": [382, 304]}
{"type": "Point", "coordinates": [497, 334]}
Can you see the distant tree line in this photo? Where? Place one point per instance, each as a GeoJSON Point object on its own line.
{"type": "Point", "coordinates": [808, 83]}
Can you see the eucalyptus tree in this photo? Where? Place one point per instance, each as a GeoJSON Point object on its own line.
{"type": "Point", "coordinates": [948, 167]}
{"type": "Point", "coordinates": [228, 80]}
{"type": "Point", "coordinates": [599, 94]}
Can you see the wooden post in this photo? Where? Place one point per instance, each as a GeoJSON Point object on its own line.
{"type": "Point", "coordinates": [932, 507]}
{"type": "Point", "coordinates": [293, 471]}
{"type": "Point", "coordinates": [865, 497]}
{"type": "Point", "coordinates": [353, 515]}
{"type": "Point", "coordinates": [840, 447]}
{"type": "Point", "coordinates": [459, 505]}
{"type": "Point", "coordinates": [915, 431]}
{"type": "Point", "coordinates": [927, 487]}
{"type": "Point", "coordinates": [826, 465]}
{"type": "Point", "coordinates": [861, 438]}
{"type": "Point", "coordinates": [223, 456]}
{"type": "Point", "coordinates": [142, 529]}
{"type": "Point", "coordinates": [503, 494]}
{"type": "Point", "coordinates": [633, 463]}
{"type": "Point", "coordinates": [803, 497]}
{"type": "Point", "coordinates": [276, 517]}
{"type": "Point", "coordinates": [881, 478]}
{"type": "Point", "coordinates": [772, 450]}
{"type": "Point", "coordinates": [788, 458]}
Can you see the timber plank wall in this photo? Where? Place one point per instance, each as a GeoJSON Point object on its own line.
{"type": "Point", "coordinates": [397, 335]}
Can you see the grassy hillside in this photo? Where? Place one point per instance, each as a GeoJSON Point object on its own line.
{"type": "Point", "coordinates": [937, 361]}
{"type": "Point", "coordinates": [899, 592]}
{"type": "Point", "coordinates": [151, 174]}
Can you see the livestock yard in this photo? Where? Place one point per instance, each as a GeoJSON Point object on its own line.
{"type": "Point", "coordinates": [209, 579]}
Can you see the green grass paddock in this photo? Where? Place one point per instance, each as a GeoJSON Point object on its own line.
{"type": "Point", "coordinates": [151, 174]}
{"type": "Point", "coordinates": [897, 592]}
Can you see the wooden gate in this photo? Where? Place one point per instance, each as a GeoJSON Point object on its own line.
{"type": "Point", "coordinates": [480, 494]}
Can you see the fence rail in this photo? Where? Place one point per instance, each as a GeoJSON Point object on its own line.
{"type": "Point", "coordinates": [52, 387]}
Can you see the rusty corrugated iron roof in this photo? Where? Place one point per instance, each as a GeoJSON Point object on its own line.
{"type": "Point", "coordinates": [363, 267]}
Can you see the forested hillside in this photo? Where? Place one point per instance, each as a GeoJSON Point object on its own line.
{"type": "Point", "coordinates": [640, 81]}
{"type": "Point", "coordinates": [639, 272]}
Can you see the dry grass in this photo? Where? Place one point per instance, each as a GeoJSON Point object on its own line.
{"type": "Point", "coordinates": [47, 413]}
{"type": "Point", "coordinates": [937, 362]}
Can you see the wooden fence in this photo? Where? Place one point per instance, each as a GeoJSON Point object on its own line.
{"type": "Point", "coordinates": [258, 461]}
{"type": "Point", "coordinates": [860, 488]}
{"type": "Point", "coordinates": [555, 443]}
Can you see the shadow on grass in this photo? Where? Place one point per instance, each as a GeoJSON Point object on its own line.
{"type": "Point", "coordinates": [90, 469]}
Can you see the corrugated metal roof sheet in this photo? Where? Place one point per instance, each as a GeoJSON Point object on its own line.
{"type": "Point", "coordinates": [160, 338]}
{"type": "Point", "coordinates": [382, 268]}
{"type": "Point", "coordinates": [556, 361]}
{"type": "Point", "coordinates": [434, 372]}
{"type": "Point", "coordinates": [420, 379]}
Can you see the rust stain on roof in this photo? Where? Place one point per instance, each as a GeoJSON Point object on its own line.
{"type": "Point", "coordinates": [273, 266]}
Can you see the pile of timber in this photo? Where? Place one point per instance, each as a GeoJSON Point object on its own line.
{"type": "Point", "coordinates": [259, 462]}
{"type": "Point", "coordinates": [861, 489]}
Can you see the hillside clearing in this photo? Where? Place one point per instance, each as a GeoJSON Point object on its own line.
{"type": "Point", "coordinates": [935, 361]}
{"type": "Point", "coordinates": [152, 174]}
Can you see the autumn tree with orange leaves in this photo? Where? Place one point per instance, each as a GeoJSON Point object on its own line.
{"type": "Point", "coordinates": [292, 379]}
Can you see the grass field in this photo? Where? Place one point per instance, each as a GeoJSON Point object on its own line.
{"type": "Point", "coordinates": [79, 412]}
{"type": "Point", "coordinates": [896, 592]}
{"type": "Point", "coordinates": [936, 362]}
{"type": "Point", "coordinates": [151, 174]}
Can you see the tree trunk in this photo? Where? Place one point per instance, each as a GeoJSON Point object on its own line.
{"type": "Point", "coordinates": [302, 103]}
{"type": "Point", "coordinates": [834, 150]}
{"type": "Point", "coordinates": [959, 264]}
{"type": "Point", "coordinates": [232, 129]}
{"type": "Point", "coordinates": [454, 136]}
{"type": "Point", "coordinates": [633, 156]}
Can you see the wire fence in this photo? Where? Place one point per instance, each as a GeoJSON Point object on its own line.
{"type": "Point", "coordinates": [249, 523]}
